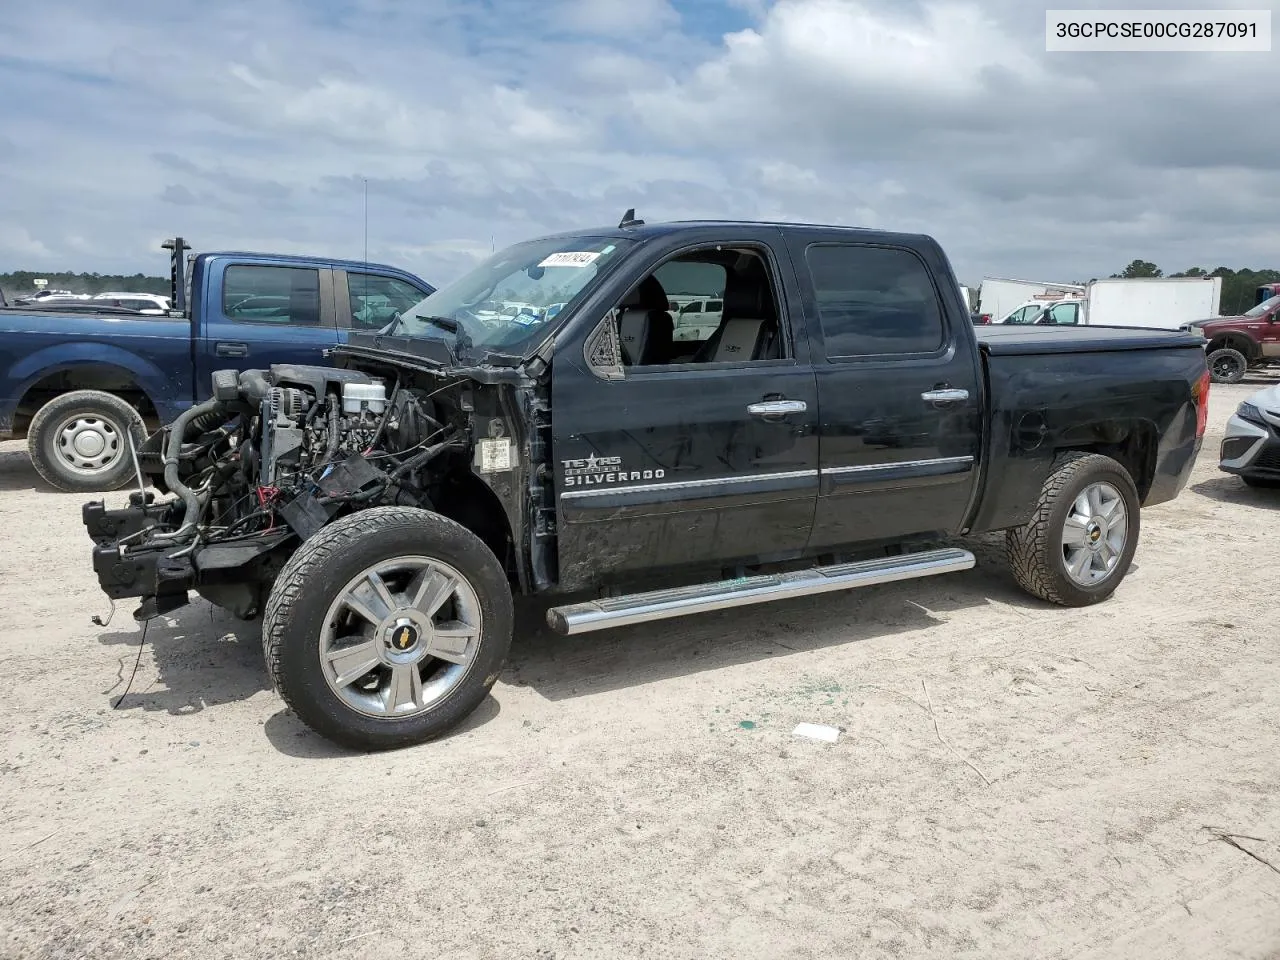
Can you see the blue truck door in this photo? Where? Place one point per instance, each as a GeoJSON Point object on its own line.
{"type": "Point", "coordinates": [688, 453]}
{"type": "Point", "coordinates": [258, 312]}
{"type": "Point", "coordinates": [899, 387]}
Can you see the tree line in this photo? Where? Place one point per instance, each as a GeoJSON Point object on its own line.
{"type": "Point", "coordinates": [21, 283]}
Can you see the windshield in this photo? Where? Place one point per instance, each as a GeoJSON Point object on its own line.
{"type": "Point", "coordinates": [506, 303]}
{"type": "Point", "coordinates": [1266, 306]}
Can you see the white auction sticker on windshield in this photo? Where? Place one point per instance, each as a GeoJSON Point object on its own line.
{"type": "Point", "coordinates": [570, 258]}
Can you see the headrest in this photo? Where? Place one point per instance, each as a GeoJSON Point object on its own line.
{"type": "Point", "coordinates": [648, 296]}
{"type": "Point", "coordinates": [747, 291]}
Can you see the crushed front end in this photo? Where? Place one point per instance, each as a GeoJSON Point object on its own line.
{"type": "Point", "coordinates": [275, 455]}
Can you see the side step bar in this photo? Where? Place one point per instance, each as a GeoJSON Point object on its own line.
{"type": "Point", "coordinates": [704, 597]}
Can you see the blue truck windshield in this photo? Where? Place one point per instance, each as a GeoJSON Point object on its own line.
{"type": "Point", "coordinates": [507, 302]}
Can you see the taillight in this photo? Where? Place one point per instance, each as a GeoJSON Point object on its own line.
{"type": "Point", "coordinates": [1201, 395]}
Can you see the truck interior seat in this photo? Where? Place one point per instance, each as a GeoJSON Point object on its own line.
{"type": "Point", "coordinates": [645, 329]}
{"type": "Point", "coordinates": [749, 324]}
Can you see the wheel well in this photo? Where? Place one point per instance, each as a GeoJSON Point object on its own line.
{"type": "Point", "coordinates": [1236, 341]}
{"type": "Point", "coordinates": [1132, 445]}
{"type": "Point", "coordinates": [465, 499]}
{"type": "Point", "coordinates": [96, 377]}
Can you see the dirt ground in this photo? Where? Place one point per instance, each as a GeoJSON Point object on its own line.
{"type": "Point", "coordinates": [1012, 780]}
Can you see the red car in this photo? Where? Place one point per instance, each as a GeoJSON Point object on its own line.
{"type": "Point", "coordinates": [1239, 344]}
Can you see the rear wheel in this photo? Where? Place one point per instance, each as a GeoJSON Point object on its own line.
{"type": "Point", "coordinates": [79, 441]}
{"type": "Point", "coordinates": [1227, 365]}
{"type": "Point", "coordinates": [1080, 541]}
{"type": "Point", "coordinates": [388, 628]}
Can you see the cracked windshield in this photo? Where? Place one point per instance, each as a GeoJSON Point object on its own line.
{"type": "Point", "coordinates": [506, 303]}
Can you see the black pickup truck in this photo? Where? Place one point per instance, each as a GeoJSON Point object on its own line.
{"type": "Point", "coordinates": [537, 427]}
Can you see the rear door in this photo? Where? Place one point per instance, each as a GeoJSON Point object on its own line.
{"type": "Point", "coordinates": [686, 463]}
{"type": "Point", "coordinates": [256, 313]}
{"type": "Point", "coordinates": [898, 386]}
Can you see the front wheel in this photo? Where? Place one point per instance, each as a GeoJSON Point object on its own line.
{"type": "Point", "coordinates": [1227, 365]}
{"type": "Point", "coordinates": [387, 628]}
{"type": "Point", "coordinates": [1079, 543]}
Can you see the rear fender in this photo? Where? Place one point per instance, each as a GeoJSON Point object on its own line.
{"type": "Point", "coordinates": [162, 389]}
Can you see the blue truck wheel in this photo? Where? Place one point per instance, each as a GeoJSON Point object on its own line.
{"type": "Point", "coordinates": [79, 441]}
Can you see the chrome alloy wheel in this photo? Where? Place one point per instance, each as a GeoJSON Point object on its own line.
{"type": "Point", "coordinates": [400, 637]}
{"type": "Point", "coordinates": [89, 443]}
{"type": "Point", "coordinates": [1094, 534]}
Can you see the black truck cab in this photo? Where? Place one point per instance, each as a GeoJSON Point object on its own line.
{"type": "Point", "coordinates": [839, 401]}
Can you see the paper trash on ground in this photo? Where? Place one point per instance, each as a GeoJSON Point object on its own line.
{"type": "Point", "coordinates": [817, 731]}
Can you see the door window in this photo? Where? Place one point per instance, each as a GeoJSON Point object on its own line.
{"type": "Point", "coordinates": [874, 301]}
{"type": "Point", "coordinates": [730, 315]}
{"type": "Point", "coordinates": [1064, 313]}
{"type": "Point", "coordinates": [375, 299]}
{"type": "Point", "coordinates": [275, 295]}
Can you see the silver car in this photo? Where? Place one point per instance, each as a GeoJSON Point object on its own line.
{"type": "Point", "coordinates": [1251, 447]}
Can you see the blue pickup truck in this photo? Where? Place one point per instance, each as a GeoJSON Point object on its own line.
{"type": "Point", "coordinates": [73, 380]}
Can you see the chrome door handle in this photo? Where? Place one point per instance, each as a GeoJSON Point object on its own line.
{"type": "Point", "coordinates": [948, 395]}
{"type": "Point", "coordinates": [777, 408]}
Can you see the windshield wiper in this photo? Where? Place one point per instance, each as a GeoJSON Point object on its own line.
{"type": "Point", "coordinates": [444, 323]}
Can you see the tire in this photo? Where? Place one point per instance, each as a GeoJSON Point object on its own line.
{"type": "Point", "coordinates": [1227, 365]}
{"type": "Point", "coordinates": [1038, 553]}
{"type": "Point", "coordinates": [306, 612]}
{"type": "Point", "coordinates": [77, 441]}
{"type": "Point", "coordinates": [1262, 483]}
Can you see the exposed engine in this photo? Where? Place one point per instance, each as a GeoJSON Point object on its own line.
{"type": "Point", "coordinates": [267, 462]}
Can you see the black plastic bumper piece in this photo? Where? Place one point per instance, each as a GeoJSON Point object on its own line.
{"type": "Point", "coordinates": [108, 526]}
{"type": "Point", "coordinates": [144, 574]}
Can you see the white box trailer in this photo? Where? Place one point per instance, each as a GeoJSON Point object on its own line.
{"type": "Point", "coordinates": [1159, 303]}
{"type": "Point", "coordinates": [1164, 303]}
{"type": "Point", "coordinates": [998, 296]}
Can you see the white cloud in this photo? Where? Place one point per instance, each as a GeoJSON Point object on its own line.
{"type": "Point", "coordinates": [617, 18]}
{"type": "Point", "coordinates": [256, 124]}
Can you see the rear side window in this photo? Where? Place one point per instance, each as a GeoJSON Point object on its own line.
{"type": "Point", "coordinates": [279, 295]}
{"type": "Point", "coordinates": [873, 300]}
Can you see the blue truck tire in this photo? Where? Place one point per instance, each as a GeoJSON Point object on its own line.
{"type": "Point", "coordinates": [79, 441]}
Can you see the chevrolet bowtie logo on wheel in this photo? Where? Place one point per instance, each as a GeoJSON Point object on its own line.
{"type": "Point", "coordinates": [404, 638]}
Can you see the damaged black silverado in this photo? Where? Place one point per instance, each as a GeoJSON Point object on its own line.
{"type": "Point", "coordinates": [559, 421]}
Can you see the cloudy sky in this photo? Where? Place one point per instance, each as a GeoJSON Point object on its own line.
{"type": "Point", "coordinates": [255, 124]}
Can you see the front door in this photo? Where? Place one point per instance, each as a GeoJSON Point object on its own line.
{"type": "Point", "coordinates": [1268, 334]}
{"type": "Point", "coordinates": [899, 389]}
{"type": "Point", "coordinates": [702, 461]}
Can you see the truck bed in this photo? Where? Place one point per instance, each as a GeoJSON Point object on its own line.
{"type": "Point", "coordinates": [153, 352]}
{"type": "Point", "coordinates": [1000, 340]}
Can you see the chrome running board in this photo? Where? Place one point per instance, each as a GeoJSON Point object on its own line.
{"type": "Point", "coordinates": [704, 597]}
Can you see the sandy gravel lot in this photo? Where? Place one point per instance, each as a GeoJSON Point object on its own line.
{"type": "Point", "coordinates": [639, 794]}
